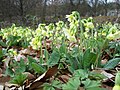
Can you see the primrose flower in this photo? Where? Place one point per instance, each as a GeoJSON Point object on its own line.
{"type": "Point", "coordinates": [110, 36]}
{"type": "Point", "coordinates": [70, 18]}
{"type": "Point", "coordinates": [71, 38]}
{"type": "Point", "coordinates": [90, 25]}
{"type": "Point", "coordinates": [86, 35]}
{"type": "Point", "coordinates": [35, 43]}
{"type": "Point", "coordinates": [38, 30]}
{"type": "Point", "coordinates": [114, 36]}
{"type": "Point", "coordinates": [12, 52]}
{"type": "Point", "coordinates": [117, 35]}
{"type": "Point", "coordinates": [113, 29]}
{"type": "Point", "coordinates": [44, 33]}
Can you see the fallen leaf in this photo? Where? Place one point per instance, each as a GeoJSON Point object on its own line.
{"type": "Point", "coordinates": [104, 61]}
{"type": "Point", "coordinates": [41, 79]}
{"type": "Point", "coordinates": [19, 56]}
{"type": "Point", "coordinates": [4, 79]}
{"type": "Point", "coordinates": [108, 75]}
{"type": "Point", "coordinates": [64, 78]}
{"type": "Point", "coordinates": [30, 76]}
{"type": "Point", "coordinates": [1, 72]}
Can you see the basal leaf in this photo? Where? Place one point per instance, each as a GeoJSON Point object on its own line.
{"type": "Point", "coordinates": [9, 72]}
{"type": "Point", "coordinates": [2, 43]}
{"type": "Point", "coordinates": [88, 84]}
{"type": "Point", "coordinates": [54, 58]}
{"type": "Point", "coordinates": [38, 68]}
{"type": "Point", "coordinates": [72, 84]}
{"type": "Point", "coordinates": [19, 79]}
{"type": "Point", "coordinates": [88, 58]}
{"type": "Point", "coordinates": [21, 66]}
{"type": "Point", "coordinates": [81, 74]}
{"type": "Point", "coordinates": [112, 63]}
{"type": "Point", "coordinates": [62, 49]}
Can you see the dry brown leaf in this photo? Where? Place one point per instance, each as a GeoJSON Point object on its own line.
{"type": "Point", "coordinates": [19, 56]}
{"type": "Point", "coordinates": [108, 75]}
{"type": "Point", "coordinates": [1, 73]}
{"type": "Point", "coordinates": [30, 76]}
{"type": "Point", "coordinates": [25, 51]}
{"type": "Point", "coordinates": [40, 80]}
{"type": "Point", "coordinates": [64, 78]}
{"type": "Point", "coordinates": [4, 79]}
{"type": "Point", "coordinates": [104, 61]}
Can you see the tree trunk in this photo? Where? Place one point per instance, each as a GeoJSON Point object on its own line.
{"type": "Point", "coordinates": [22, 11]}
{"type": "Point", "coordinates": [44, 12]}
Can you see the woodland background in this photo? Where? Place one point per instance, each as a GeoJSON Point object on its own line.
{"type": "Point", "coordinates": [33, 12]}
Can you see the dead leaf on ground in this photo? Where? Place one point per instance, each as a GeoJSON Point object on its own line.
{"type": "Point", "coordinates": [25, 51]}
{"type": "Point", "coordinates": [19, 56]}
{"type": "Point", "coordinates": [108, 75]}
{"type": "Point", "coordinates": [1, 72]}
{"type": "Point", "coordinates": [4, 79]}
{"type": "Point", "coordinates": [40, 80]}
{"type": "Point", "coordinates": [64, 78]}
{"type": "Point", "coordinates": [30, 76]}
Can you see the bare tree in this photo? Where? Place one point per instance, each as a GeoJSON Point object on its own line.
{"type": "Point", "coordinates": [44, 11]}
{"type": "Point", "coordinates": [117, 6]}
{"type": "Point", "coordinates": [94, 4]}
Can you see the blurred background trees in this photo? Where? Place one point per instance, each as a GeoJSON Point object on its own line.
{"type": "Point", "coordinates": [25, 11]}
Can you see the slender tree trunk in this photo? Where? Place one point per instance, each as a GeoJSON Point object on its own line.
{"type": "Point", "coordinates": [22, 11]}
{"type": "Point", "coordinates": [105, 7]}
{"type": "Point", "coordinates": [44, 11]}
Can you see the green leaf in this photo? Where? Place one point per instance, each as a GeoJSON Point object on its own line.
{"type": "Point", "coordinates": [81, 74]}
{"type": "Point", "coordinates": [63, 49]}
{"type": "Point", "coordinates": [91, 84]}
{"type": "Point", "coordinates": [112, 63]}
{"type": "Point", "coordinates": [57, 84]}
{"type": "Point", "coordinates": [52, 86]}
{"type": "Point", "coordinates": [96, 76]}
{"type": "Point", "coordinates": [38, 68]}
{"type": "Point", "coordinates": [72, 84]}
{"type": "Point", "coordinates": [117, 78]}
{"type": "Point", "coordinates": [48, 87]}
{"type": "Point", "coordinates": [2, 43]}
{"type": "Point", "coordinates": [54, 58]}
{"type": "Point", "coordinates": [88, 59]}
{"type": "Point", "coordinates": [30, 61]}
{"type": "Point", "coordinates": [19, 79]}
{"type": "Point", "coordinates": [9, 72]}
{"type": "Point", "coordinates": [46, 54]}
{"type": "Point", "coordinates": [96, 88]}
{"type": "Point", "coordinates": [21, 66]}
{"type": "Point", "coordinates": [71, 69]}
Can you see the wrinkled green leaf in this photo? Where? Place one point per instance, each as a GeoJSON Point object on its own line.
{"type": "Point", "coordinates": [9, 72]}
{"type": "Point", "coordinates": [38, 68]}
{"type": "Point", "coordinates": [19, 79]}
{"type": "Point", "coordinates": [88, 59]}
{"type": "Point", "coordinates": [2, 43]}
{"type": "Point", "coordinates": [62, 49]}
{"type": "Point", "coordinates": [91, 84]}
{"type": "Point", "coordinates": [81, 74]}
{"type": "Point", "coordinates": [48, 88]}
{"type": "Point", "coordinates": [21, 66]}
{"type": "Point", "coordinates": [57, 84]}
{"type": "Point", "coordinates": [54, 58]}
{"type": "Point", "coordinates": [72, 84]}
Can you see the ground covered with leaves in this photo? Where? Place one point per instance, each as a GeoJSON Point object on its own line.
{"type": "Point", "coordinates": [71, 55]}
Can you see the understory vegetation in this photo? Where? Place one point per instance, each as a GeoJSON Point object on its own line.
{"type": "Point", "coordinates": [74, 55]}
